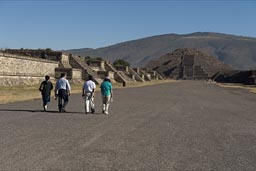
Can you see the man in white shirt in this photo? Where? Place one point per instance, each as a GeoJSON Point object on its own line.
{"type": "Point", "coordinates": [62, 91]}
{"type": "Point", "coordinates": [89, 95]}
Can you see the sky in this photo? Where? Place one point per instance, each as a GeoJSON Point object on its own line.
{"type": "Point", "coordinates": [66, 24]}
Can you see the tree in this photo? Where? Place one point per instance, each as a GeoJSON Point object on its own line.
{"type": "Point", "coordinates": [99, 59]}
{"type": "Point", "coordinates": [121, 62]}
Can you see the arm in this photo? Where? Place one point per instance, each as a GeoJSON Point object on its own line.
{"type": "Point", "coordinates": [41, 87]}
{"type": "Point", "coordinates": [69, 92]}
{"type": "Point", "coordinates": [93, 90]}
{"type": "Point", "coordinates": [56, 90]}
{"type": "Point", "coordinates": [68, 88]}
{"type": "Point", "coordinates": [111, 91]}
{"type": "Point", "coordinates": [111, 96]}
{"type": "Point", "coordinates": [51, 86]}
{"type": "Point", "coordinates": [83, 91]}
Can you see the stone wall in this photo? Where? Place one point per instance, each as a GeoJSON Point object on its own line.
{"type": "Point", "coordinates": [20, 70]}
{"type": "Point", "coordinates": [76, 74]}
{"type": "Point", "coordinates": [65, 61]}
{"type": "Point", "coordinates": [122, 68]}
{"type": "Point", "coordinates": [9, 81]}
{"type": "Point", "coordinates": [43, 54]}
{"type": "Point", "coordinates": [72, 74]}
{"type": "Point", "coordinates": [67, 71]}
{"type": "Point", "coordinates": [97, 65]}
{"type": "Point", "coordinates": [104, 74]}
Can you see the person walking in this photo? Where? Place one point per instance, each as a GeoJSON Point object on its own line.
{"type": "Point", "coordinates": [89, 94]}
{"type": "Point", "coordinates": [62, 92]}
{"type": "Point", "coordinates": [46, 88]}
{"type": "Point", "coordinates": [107, 94]}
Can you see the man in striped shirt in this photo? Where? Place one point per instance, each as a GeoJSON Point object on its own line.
{"type": "Point", "coordinates": [62, 91]}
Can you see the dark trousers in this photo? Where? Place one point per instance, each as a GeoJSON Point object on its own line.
{"type": "Point", "coordinates": [46, 99]}
{"type": "Point", "coordinates": [62, 99]}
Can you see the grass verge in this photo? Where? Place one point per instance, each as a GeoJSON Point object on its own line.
{"type": "Point", "coordinates": [250, 88]}
{"type": "Point", "coordinates": [22, 93]}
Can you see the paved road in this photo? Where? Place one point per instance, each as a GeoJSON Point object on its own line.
{"type": "Point", "coordinates": [188, 125]}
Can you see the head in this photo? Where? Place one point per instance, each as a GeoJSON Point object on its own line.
{"type": "Point", "coordinates": [47, 77]}
{"type": "Point", "coordinates": [107, 79]}
{"type": "Point", "coordinates": [90, 77]}
{"type": "Point", "coordinates": [62, 75]}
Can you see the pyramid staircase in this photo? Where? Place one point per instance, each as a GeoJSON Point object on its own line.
{"type": "Point", "coordinates": [118, 74]}
{"type": "Point", "coordinates": [136, 75]}
{"type": "Point", "coordinates": [126, 76]}
{"type": "Point", "coordinates": [200, 73]}
{"type": "Point", "coordinates": [177, 72]}
{"type": "Point", "coordinates": [146, 77]}
{"type": "Point", "coordinates": [77, 62]}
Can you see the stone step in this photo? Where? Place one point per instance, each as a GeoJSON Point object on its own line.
{"type": "Point", "coordinates": [77, 62]}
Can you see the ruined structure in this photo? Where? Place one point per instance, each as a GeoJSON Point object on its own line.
{"type": "Point", "coordinates": [47, 54]}
{"type": "Point", "coordinates": [188, 64]}
{"type": "Point", "coordinates": [30, 66]}
{"type": "Point", "coordinates": [98, 66]}
{"type": "Point", "coordinates": [61, 59]}
{"type": "Point", "coordinates": [242, 77]}
{"type": "Point", "coordinates": [23, 70]}
{"type": "Point", "coordinates": [129, 74]}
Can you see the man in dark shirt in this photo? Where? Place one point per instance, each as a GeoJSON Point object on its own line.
{"type": "Point", "coordinates": [46, 88]}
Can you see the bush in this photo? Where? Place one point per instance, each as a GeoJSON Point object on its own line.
{"type": "Point", "coordinates": [121, 62]}
{"type": "Point", "coordinates": [88, 58]}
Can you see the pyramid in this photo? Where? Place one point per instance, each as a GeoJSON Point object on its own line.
{"type": "Point", "coordinates": [188, 64]}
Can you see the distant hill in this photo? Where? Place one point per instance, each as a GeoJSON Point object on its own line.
{"type": "Point", "coordinates": [236, 51]}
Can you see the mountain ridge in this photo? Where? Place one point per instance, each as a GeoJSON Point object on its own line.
{"type": "Point", "coordinates": [236, 51]}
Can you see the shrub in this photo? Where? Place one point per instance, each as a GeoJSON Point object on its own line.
{"type": "Point", "coordinates": [120, 62]}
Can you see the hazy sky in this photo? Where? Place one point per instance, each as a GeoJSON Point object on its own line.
{"type": "Point", "coordinates": [78, 24]}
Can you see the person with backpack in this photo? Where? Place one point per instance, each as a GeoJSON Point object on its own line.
{"type": "Point", "coordinates": [107, 94]}
{"type": "Point", "coordinates": [89, 94]}
{"type": "Point", "coordinates": [46, 88]}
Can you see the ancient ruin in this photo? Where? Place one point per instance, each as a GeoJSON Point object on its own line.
{"type": "Point", "coordinates": [188, 64]}
{"type": "Point", "coordinates": [18, 70]}
{"type": "Point", "coordinates": [27, 67]}
{"type": "Point", "coordinates": [242, 77]}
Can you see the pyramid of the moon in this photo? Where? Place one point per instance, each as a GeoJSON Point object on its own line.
{"type": "Point", "coordinates": [188, 64]}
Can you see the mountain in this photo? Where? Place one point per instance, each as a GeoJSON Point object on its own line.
{"type": "Point", "coordinates": [237, 51]}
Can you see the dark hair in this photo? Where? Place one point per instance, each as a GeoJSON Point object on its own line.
{"type": "Point", "coordinates": [90, 77]}
{"type": "Point", "coordinates": [107, 79]}
{"type": "Point", "coordinates": [62, 75]}
{"type": "Point", "coordinates": [47, 77]}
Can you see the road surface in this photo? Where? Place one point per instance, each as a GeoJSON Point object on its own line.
{"type": "Point", "coordinates": [188, 125]}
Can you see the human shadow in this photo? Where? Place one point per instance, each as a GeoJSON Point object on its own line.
{"type": "Point", "coordinates": [95, 113]}
{"type": "Point", "coordinates": [48, 111]}
{"type": "Point", "coordinates": [20, 110]}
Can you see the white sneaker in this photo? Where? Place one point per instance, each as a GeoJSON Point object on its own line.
{"type": "Point", "coordinates": [45, 108]}
{"type": "Point", "coordinates": [106, 112]}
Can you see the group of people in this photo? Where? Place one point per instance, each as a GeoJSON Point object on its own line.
{"type": "Point", "coordinates": [62, 92]}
